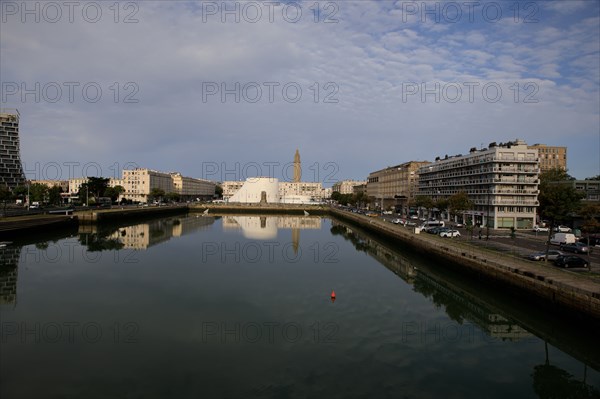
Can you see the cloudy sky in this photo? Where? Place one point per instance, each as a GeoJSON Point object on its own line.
{"type": "Point", "coordinates": [229, 90]}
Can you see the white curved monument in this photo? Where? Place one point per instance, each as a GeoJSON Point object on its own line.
{"type": "Point", "coordinates": [256, 190]}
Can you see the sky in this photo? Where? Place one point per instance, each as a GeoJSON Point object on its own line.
{"type": "Point", "coordinates": [229, 90]}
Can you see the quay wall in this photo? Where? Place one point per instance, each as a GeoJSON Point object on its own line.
{"type": "Point", "coordinates": [106, 215]}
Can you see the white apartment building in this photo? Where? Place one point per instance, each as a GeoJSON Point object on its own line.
{"type": "Point", "coordinates": [139, 182]}
{"type": "Point", "coordinates": [75, 184]}
{"type": "Point", "coordinates": [347, 186]}
{"type": "Point", "coordinates": [501, 181]}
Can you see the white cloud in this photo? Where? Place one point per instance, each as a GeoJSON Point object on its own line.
{"type": "Point", "coordinates": [369, 54]}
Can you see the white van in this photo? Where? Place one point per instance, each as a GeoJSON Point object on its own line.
{"type": "Point", "coordinates": [562, 238]}
{"type": "Point", "coordinates": [433, 223]}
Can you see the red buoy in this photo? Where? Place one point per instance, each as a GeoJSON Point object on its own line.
{"type": "Point", "coordinates": [332, 296]}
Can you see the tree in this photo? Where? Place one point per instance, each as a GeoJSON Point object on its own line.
{"type": "Point", "coordinates": [219, 191]}
{"type": "Point", "coordinates": [442, 205]}
{"type": "Point", "coordinates": [114, 192]}
{"type": "Point", "coordinates": [156, 193]}
{"type": "Point", "coordinates": [459, 202]}
{"type": "Point", "coordinates": [558, 198]}
{"type": "Point", "coordinates": [97, 186]}
{"type": "Point", "coordinates": [172, 196]}
{"type": "Point", "coordinates": [593, 178]}
{"type": "Point", "coordinates": [5, 196]}
{"type": "Point", "coordinates": [38, 192]}
{"type": "Point", "coordinates": [590, 213]}
{"type": "Point", "coordinates": [424, 201]}
{"type": "Point", "coordinates": [54, 197]}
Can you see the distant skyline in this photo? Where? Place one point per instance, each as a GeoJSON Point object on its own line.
{"type": "Point", "coordinates": [356, 86]}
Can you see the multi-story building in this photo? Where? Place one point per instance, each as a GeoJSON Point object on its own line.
{"type": "Point", "coordinates": [501, 181]}
{"type": "Point", "coordinates": [139, 182]}
{"type": "Point", "coordinates": [230, 188]}
{"type": "Point", "coordinates": [359, 189]}
{"type": "Point", "coordinates": [190, 188]}
{"type": "Point", "coordinates": [395, 186]}
{"type": "Point", "coordinates": [346, 186]}
{"type": "Point", "coordinates": [551, 157]}
{"type": "Point", "coordinates": [75, 184]}
{"type": "Point", "coordinates": [589, 188]}
{"type": "Point", "coordinates": [11, 170]}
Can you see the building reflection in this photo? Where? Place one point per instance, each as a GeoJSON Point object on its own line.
{"type": "Point", "coordinates": [145, 235]}
{"type": "Point", "coordinates": [9, 262]}
{"type": "Point", "coordinates": [458, 303]}
{"type": "Point", "coordinates": [266, 227]}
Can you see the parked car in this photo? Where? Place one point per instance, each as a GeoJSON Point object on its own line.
{"type": "Point", "coordinates": [398, 221]}
{"type": "Point", "coordinates": [388, 212]}
{"type": "Point", "coordinates": [539, 229]}
{"type": "Point", "coordinates": [450, 233]}
{"type": "Point", "coordinates": [576, 247]}
{"type": "Point", "coordinates": [552, 255]}
{"type": "Point", "coordinates": [562, 229]}
{"type": "Point", "coordinates": [571, 261]}
{"type": "Point", "coordinates": [372, 214]}
{"type": "Point", "coordinates": [436, 230]}
{"type": "Point", "coordinates": [414, 217]}
{"type": "Point", "coordinates": [459, 225]}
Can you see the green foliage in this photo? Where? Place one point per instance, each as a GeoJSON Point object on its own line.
{"type": "Point", "coordinates": [156, 193]}
{"type": "Point", "coordinates": [219, 191]}
{"type": "Point", "coordinates": [54, 195]}
{"type": "Point", "coordinates": [424, 201]}
{"type": "Point", "coordinates": [5, 193]}
{"type": "Point", "coordinates": [172, 197]}
{"type": "Point", "coordinates": [459, 202]}
{"type": "Point", "coordinates": [114, 192]}
{"type": "Point", "coordinates": [558, 198]}
{"type": "Point", "coordinates": [38, 192]}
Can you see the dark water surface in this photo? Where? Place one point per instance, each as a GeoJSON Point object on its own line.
{"type": "Point", "coordinates": [239, 307]}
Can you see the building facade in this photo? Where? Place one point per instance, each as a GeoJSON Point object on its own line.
{"type": "Point", "coordinates": [395, 186]}
{"type": "Point", "coordinates": [551, 157]}
{"type": "Point", "coordinates": [501, 181]}
{"type": "Point", "coordinates": [190, 188]}
{"type": "Point", "coordinates": [139, 183]}
{"type": "Point", "coordinates": [589, 188]}
{"type": "Point", "coordinates": [346, 186]}
{"type": "Point", "coordinates": [11, 170]}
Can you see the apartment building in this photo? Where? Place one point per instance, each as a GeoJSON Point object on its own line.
{"type": "Point", "coordinates": [189, 188]}
{"type": "Point", "coordinates": [501, 181]}
{"type": "Point", "coordinates": [395, 186]}
{"type": "Point", "coordinates": [11, 170]}
{"type": "Point", "coordinates": [551, 157]}
{"type": "Point", "coordinates": [139, 182]}
{"type": "Point", "coordinates": [346, 186]}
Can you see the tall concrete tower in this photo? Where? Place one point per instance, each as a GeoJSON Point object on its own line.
{"type": "Point", "coordinates": [297, 168]}
{"type": "Point", "coordinates": [11, 171]}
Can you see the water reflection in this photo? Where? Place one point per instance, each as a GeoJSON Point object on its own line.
{"type": "Point", "coordinates": [140, 235]}
{"type": "Point", "coordinates": [9, 261]}
{"type": "Point", "coordinates": [463, 303]}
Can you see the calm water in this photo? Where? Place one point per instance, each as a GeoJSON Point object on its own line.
{"type": "Point", "coordinates": [203, 307]}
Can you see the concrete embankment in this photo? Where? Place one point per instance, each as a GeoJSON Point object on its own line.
{"type": "Point", "coordinates": [127, 213]}
{"type": "Point", "coordinates": [267, 209]}
{"type": "Point", "coordinates": [18, 226]}
{"type": "Point", "coordinates": [564, 291]}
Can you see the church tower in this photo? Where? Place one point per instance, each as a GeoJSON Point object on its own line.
{"type": "Point", "coordinates": [297, 168]}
